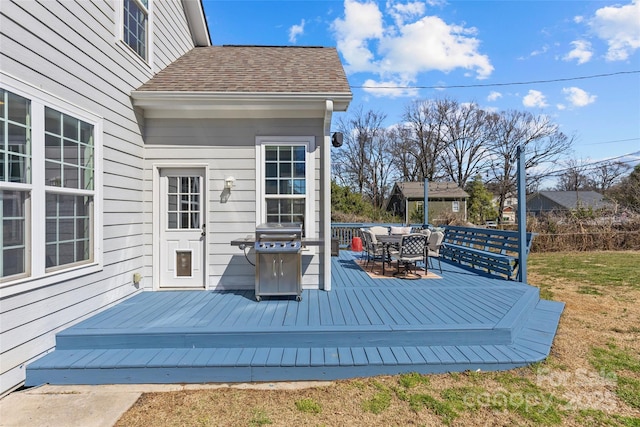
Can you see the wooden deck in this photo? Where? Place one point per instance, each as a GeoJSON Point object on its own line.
{"type": "Point", "coordinates": [362, 327]}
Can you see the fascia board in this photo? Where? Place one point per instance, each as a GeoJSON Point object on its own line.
{"type": "Point", "coordinates": [194, 12]}
{"type": "Point", "coordinates": [223, 101]}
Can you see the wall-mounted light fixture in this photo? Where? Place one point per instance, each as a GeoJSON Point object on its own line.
{"type": "Point", "coordinates": [336, 139]}
{"type": "Point", "coordinates": [229, 182]}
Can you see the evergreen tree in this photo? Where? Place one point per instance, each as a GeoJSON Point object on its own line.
{"type": "Point", "coordinates": [480, 208]}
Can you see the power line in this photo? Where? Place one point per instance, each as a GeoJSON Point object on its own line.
{"type": "Point", "coordinates": [592, 166]}
{"type": "Point", "coordinates": [594, 76]}
{"type": "Point", "coordinates": [612, 142]}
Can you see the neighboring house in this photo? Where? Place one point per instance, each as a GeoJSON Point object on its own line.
{"type": "Point", "coordinates": [510, 207]}
{"type": "Point", "coordinates": [445, 198]}
{"type": "Point", "coordinates": [131, 148]}
{"type": "Point", "coordinates": [544, 202]}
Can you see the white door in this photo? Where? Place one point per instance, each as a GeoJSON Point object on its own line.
{"type": "Point", "coordinates": [182, 228]}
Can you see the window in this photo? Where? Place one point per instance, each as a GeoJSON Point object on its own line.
{"type": "Point", "coordinates": [68, 165]}
{"type": "Point", "coordinates": [455, 206]}
{"type": "Point", "coordinates": [286, 185]}
{"type": "Point", "coordinates": [47, 189]}
{"type": "Point", "coordinates": [135, 24]}
{"type": "Point", "coordinates": [15, 177]}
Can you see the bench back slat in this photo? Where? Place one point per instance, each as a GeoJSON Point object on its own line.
{"type": "Point", "coordinates": [483, 242]}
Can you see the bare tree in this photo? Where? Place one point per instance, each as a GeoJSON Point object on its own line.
{"type": "Point", "coordinates": [402, 153]}
{"type": "Point", "coordinates": [574, 177]}
{"type": "Point", "coordinates": [364, 163]}
{"type": "Point", "coordinates": [422, 139]}
{"type": "Point", "coordinates": [352, 164]}
{"type": "Point", "coordinates": [606, 175]}
{"type": "Point", "coordinates": [467, 134]}
{"type": "Point", "coordinates": [543, 143]}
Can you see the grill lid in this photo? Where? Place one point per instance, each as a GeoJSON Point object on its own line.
{"type": "Point", "coordinates": [272, 228]}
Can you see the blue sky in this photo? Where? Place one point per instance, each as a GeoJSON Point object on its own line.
{"type": "Point", "coordinates": [397, 50]}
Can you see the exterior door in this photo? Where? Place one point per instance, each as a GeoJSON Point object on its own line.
{"type": "Point", "coordinates": [182, 228]}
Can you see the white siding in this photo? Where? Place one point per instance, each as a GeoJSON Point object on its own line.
{"type": "Point", "coordinates": [227, 147]}
{"type": "Point", "coordinates": [69, 51]}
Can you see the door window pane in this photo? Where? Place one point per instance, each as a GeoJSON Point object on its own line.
{"type": "Point", "coordinates": [183, 202]}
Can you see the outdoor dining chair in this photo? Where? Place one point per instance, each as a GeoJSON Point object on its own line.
{"type": "Point", "coordinates": [373, 249]}
{"type": "Point", "coordinates": [433, 247]}
{"type": "Point", "coordinates": [413, 249]}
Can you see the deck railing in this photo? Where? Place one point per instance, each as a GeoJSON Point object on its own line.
{"type": "Point", "coordinates": [344, 232]}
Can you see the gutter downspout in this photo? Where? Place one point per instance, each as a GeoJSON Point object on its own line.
{"type": "Point", "coordinates": [326, 194]}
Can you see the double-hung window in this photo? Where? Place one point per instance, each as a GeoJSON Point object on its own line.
{"type": "Point", "coordinates": [135, 26]}
{"type": "Point", "coordinates": [15, 178]}
{"type": "Point", "coordinates": [69, 185]}
{"type": "Point", "coordinates": [286, 181]}
{"type": "Point", "coordinates": [47, 189]}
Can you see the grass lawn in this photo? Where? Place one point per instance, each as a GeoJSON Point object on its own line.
{"type": "Point", "coordinates": [591, 378]}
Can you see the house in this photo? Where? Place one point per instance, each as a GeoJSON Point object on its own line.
{"type": "Point", "coordinates": [544, 202]}
{"type": "Point", "coordinates": [510, 207]}
{"type": "Point", "coordinates": [133, 150]}
{"type": "Point", "coordinates": [445, 198]}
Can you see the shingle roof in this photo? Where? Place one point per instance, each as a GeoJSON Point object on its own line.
{"type": "Point", "coordinates": [415, 190]}
{"type": "Point", "coordinates": [251, 69]}
{"type": "Point", "coordinates": [573, 199]}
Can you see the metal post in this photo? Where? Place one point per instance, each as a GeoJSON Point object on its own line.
{"type": "Point", "coordinates": [425, 204]}
{"type": "Point", "coordinates": [522, 215]}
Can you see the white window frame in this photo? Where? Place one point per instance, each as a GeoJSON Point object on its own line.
{"type": "Point", "coordinates": [309, 142]}
{"type": "Point", "coordinates": [119, 32]}
{"type": "Point", "coordinates": [455, 206]}
{"type": "Point", "coordinates": [39, 275]}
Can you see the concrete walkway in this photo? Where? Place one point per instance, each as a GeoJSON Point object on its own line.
{"type": "Point", "coordinates": [100, 405]}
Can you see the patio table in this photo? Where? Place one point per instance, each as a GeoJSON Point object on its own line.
{"type": "Point", "coordinates": [387, 241]}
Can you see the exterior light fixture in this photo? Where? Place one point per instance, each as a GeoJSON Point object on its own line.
{"type": "Point", "coordinates": [229, 182]}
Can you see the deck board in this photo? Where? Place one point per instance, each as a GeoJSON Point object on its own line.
{"type": "Point", "coordinates": [364, 326]}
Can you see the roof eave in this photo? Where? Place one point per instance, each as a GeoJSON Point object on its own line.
{"type": "Point", "coordinates": [218, 101]}
{"type": "Point", "coordinates": [197, 20]}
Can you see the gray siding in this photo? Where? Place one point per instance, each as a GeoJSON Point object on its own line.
{"type": "Point", "coordinates": [227, 147]}
{"type": "Point", "coordinates": [69, 50]}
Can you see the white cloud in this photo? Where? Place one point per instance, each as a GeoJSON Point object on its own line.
{"type": "Point", "coordinates": [403, 11]}
{"type": "Point", "coordinates": [295, 31]}
{"type": "Point", "coordinates": [578, 19]}
{"type": "Point", "coordinates": [619, 26]}
{"type": "Point", "coordinates": [392, 89]}
{"type": "Point", "coordinates": [561, 107]}
{"type": "Point", "coordinates": [544, 49]}
{"type": "Point", "coordinates": [578, 97]}
{"type": "Point", "coordinates": [534, 98]}
{"type": "Point", "coordinates": [411, 44]}
{"type": "Point", "coordinates": [494, 96]}
{"type": "Point", "coordinates": [581, 51]}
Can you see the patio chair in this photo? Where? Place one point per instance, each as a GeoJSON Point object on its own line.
{"type": "Point", "coordinates": [426, 232]}
{"type": "Point", "coordinates": [433, 248]}
{"type": "Point", "coordinates": [379, 230]}
{"type": "Point", "coordinates": [374, 250]}
{"type": "Point", "coordinates": [413, 248]}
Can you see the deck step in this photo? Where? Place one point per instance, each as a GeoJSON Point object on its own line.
{"type": "Point", "coordinates": [363, 327]}
{"type": "Point", "coordinates": [247, 364]}
{"type": "Point", "coordinates": [180, 365]}
{"type": "Point", "coordinates": [379, 335]}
